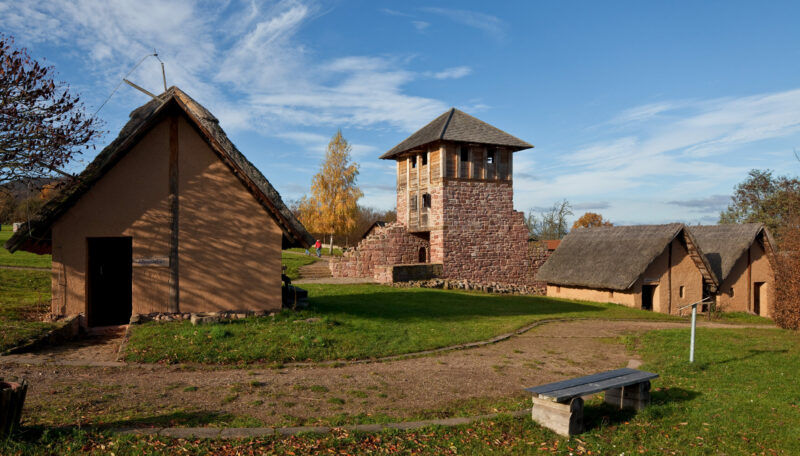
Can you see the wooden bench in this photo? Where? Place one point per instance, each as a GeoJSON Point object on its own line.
{"type": "Point", "coordinates": [559, 405]}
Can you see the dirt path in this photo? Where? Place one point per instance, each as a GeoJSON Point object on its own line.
{"type": "Point", "coordinates": [61, 394]}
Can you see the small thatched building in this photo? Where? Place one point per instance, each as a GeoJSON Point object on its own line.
{"type": "Point", "coordinates": [740, 257]}
{"type": "Point", "coordinates": [652, 267]}
{"type": "Point", "coordinates": [170, 217]}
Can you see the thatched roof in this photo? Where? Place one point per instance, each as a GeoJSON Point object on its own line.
{"type": "Point", "coordinates": [455, 125]}
{"type": "Point", "coordinates": [723, 245]}
{"type": "Point", "coordinates": [613, 258]}
{"type": "Point", "coordinates": [35, 235]}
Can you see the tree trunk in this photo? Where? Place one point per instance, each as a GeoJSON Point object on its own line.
{"type": "Point", "coordinates": [330, 248]}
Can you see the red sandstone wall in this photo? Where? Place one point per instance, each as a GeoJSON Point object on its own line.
{"type": "Point", "coordinates": [391, 244]}
{"type": "Point", "coordinates": [484, 239]}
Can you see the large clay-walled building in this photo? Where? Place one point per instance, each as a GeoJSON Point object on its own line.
{"type": "Point", "coordinates": [170, 217]}
{"type": "Point", "coordinates": [454, 207]}
{"type": "Point", "coordinates": [651, 267]}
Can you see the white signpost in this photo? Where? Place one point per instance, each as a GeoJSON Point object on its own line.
{"type": "Point", "coordinates": [694, 325]}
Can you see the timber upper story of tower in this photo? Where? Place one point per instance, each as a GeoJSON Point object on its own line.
{"type": "Point", "coordinates": [453, 147]}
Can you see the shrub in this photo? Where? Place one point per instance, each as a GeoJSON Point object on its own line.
{"type": "Point", "coordinates": [787, 280]}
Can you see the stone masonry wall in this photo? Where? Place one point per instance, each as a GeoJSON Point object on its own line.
{"type": "Point", "coordinates": [388, 245]}
{"type": "Point", "coordinates": [484, 239]}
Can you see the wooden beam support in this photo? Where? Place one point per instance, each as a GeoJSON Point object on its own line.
{"type": "Point", "coordinates": [563, 419]}
{"type": "Point", "coordinates": [174, 212]}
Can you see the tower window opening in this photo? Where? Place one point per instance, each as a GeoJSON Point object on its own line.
{"type": "Point", "coordinates": [413, 161]}
{"type": "Point", "coordinates": [426, 200]}
{"type": "Point", "coordinates": [424, 159]}
{"type": "Point", "coordinates": [464, 154]}
{"type": "Point", "coordinates": [490, 155]}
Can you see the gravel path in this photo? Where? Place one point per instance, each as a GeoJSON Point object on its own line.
{"type": "Point", "coordinates": [402, 388]}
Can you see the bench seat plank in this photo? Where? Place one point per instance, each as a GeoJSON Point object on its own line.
{"type": "Point", "coordinates": [543, 389]}
{"type": "Point", "coordinates": [566, 390]}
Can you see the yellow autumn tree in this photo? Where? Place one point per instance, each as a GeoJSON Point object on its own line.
{"type": "Point", "coordinates": [333, 205]}
{"type": "Point", "coordinates": [589, 220]}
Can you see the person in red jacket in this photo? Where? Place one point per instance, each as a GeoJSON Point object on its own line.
{"type": "Point", "coordinates": [318, 246]}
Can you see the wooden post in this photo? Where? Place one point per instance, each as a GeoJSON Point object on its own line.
{"type": "Point", "coordinates": [174, 212]}
{"type": "Point", "coordinates": [564, 419]}
{"type": "Point", "coordinates": [12, 398]}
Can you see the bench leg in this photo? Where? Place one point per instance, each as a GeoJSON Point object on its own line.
{"type": "Point", "coordinates": [632, 396]}
{"type": "Point", "coordinates": [564, 419]}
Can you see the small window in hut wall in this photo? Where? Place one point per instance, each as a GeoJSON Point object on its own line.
{"type": "Point", "coordinates": [426, 200]}
{"type": "Point", "coordinates": [424, 159]}
{"type": "Point", "coordinates": [490, 156]}
{"type": "Point", "coordinates": [682, 291]}
{"type": "Point", "coordinates": [731, 292]}
{"type": "Point", "coordinates": [464, 151]}
{"type": "Point", "coordinates": [413, 161]}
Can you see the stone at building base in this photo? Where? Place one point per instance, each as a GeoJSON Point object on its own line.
{"type": "Point", "coordinates": [563, 419]}
{"type": "Point", "coordinates": [199, 318]}
{"type": "Point", "coordinates": [634, 396]}
{"type": "Point", "coordinates": [494, 287]}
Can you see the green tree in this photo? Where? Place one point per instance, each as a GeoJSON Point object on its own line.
{"type": "Point", "coordinates": [763, 198]}
{"type": "Point", "coordinates": [333, 205]}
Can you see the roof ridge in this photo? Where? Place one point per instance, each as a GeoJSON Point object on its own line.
{"type": "Point", "coordinates": [447, 122]}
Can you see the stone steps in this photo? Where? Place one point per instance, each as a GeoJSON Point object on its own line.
{"type": "Point", "coordinates": [316, 270]}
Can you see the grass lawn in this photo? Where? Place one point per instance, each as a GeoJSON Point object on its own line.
{"type": "Point", "coordinates": [740, 397]}
{"type": "Point", "coordinates": [359, 321]}
{"type": "Point", "coordinates": [743, 318]}
{"type": "Point", "coordinates": [18, 258]}
{"type": "Point", "coordinates": [292, 261]}
{"type": "Point", "coordinates": [24, 296]}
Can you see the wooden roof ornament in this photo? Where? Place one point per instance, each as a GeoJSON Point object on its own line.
{"type": "Point", "coordinates": [723, 245]}
{"type": "Point", "coordinates": [35, 234]}
{"type": "Point", "coordinates": [613, 258]}
{"type": "Point", "coordinates": [455, 125]}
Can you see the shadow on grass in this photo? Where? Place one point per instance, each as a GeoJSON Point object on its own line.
{"type": "Point", "coordinates": [413, 304]}
{"type": "Point", "coordinates": [751, 353]}
{"type": "Point", "coordinates": [32, 434]}
{"type": "Point", "coordinates": [604, 415]}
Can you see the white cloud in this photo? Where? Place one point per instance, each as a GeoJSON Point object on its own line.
{"type": "Point", "coordinates": [243, 60]}
{"type": "Point", "coordinates": [453, 73]}
{"type": "Point", "coordinates": [421, 25]}
{"type": "Point", "coordinates": [491, 25]}
{"type": "Point", "coordinates": [675, 153]}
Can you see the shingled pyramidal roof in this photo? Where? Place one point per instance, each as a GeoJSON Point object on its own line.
{"type": "Point", "coordinates": [613, 258]}
{"type": "Point", "coordinates": [455, 125]}
{"type": "Point", "coordinates": [35, 235]}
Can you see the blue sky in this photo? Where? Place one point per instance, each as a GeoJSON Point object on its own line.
{"type": "Point", "coordinates": [647, 112]}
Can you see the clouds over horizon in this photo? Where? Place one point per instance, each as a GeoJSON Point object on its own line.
{"type": "Point", "coordinates": [239, 54]}
{"type": "Point", "coordinates": [674, 150]}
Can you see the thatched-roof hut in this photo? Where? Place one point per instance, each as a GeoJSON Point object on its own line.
{"type": "Point", "coordinates": [169, 217]}
{"type": "Point", "coordinates": [654, 267]}
{"type": "Point", "coordinates": [740, 257]}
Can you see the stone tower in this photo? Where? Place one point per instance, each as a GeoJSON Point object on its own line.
{"type": "Point", "coordinates": [454, 190]}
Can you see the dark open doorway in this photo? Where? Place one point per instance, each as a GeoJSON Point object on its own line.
{"type": "Point", "coordinates": [758, 291]}
{"type": "Point", "coordinates": [423, 255]}
{"type": "Point", "coordinates": [109, 281]}
{"type": "Point", "coordinates": [648, 293]}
